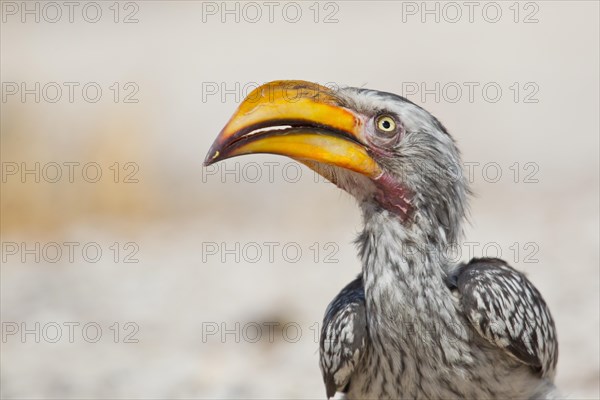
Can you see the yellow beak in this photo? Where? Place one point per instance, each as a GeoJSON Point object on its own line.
{"type": "Point", "coordinates": [298, 119]}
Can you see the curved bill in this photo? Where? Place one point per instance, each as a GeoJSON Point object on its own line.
{"type": "Point", "coordinates": [298, 119]}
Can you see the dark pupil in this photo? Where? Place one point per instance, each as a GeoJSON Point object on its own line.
{"type": "Point", "coordinates": [386, 125]}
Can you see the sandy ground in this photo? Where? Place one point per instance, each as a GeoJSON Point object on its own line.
{"type": "Point", "coordinates": [169, 312]}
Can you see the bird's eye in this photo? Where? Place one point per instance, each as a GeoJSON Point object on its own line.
{"type": "Point", "coordinates": [385, 124]}
{"type": "Point", "coordinates": [385, 130]}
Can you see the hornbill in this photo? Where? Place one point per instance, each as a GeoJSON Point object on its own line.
{"type": "Point", "coordinates": [413, 324]}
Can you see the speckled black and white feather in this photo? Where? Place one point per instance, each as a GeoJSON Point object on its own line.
{"type": "Point", "coordinates": [343, 337]}
{"type": "Point", "coordinates": [509, 312]}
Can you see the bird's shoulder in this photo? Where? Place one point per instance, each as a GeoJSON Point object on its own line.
{"type": "Point", "coordinates": [343, 337]}
{"type": "Point", "coordinates": [506, 309]}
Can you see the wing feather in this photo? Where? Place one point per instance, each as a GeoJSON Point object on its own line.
{"type": "Point", "coordinates": [343, 337]}
{"type": "Point", "coordinates": [508, 312]}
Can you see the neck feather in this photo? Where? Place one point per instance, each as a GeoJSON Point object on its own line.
{"type": "Point", "coordinates": [404, 278]}
{"type": "Point", "coordinates": [408, 303]}
{"type": "Point", "coordinates": [402, 260]}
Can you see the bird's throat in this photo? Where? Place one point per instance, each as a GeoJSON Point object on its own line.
{"type": "Point", "coordinates": [393, 196]}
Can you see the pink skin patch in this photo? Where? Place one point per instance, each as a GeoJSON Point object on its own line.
{"type": "Point", "coordinates": [393, 196]}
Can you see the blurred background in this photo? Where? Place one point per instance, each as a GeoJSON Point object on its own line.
{"type": "Point", "coordinates": [130, 271]}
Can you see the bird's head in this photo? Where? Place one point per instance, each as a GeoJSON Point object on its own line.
{"type": "Point", "coordinates": [390, 154]}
